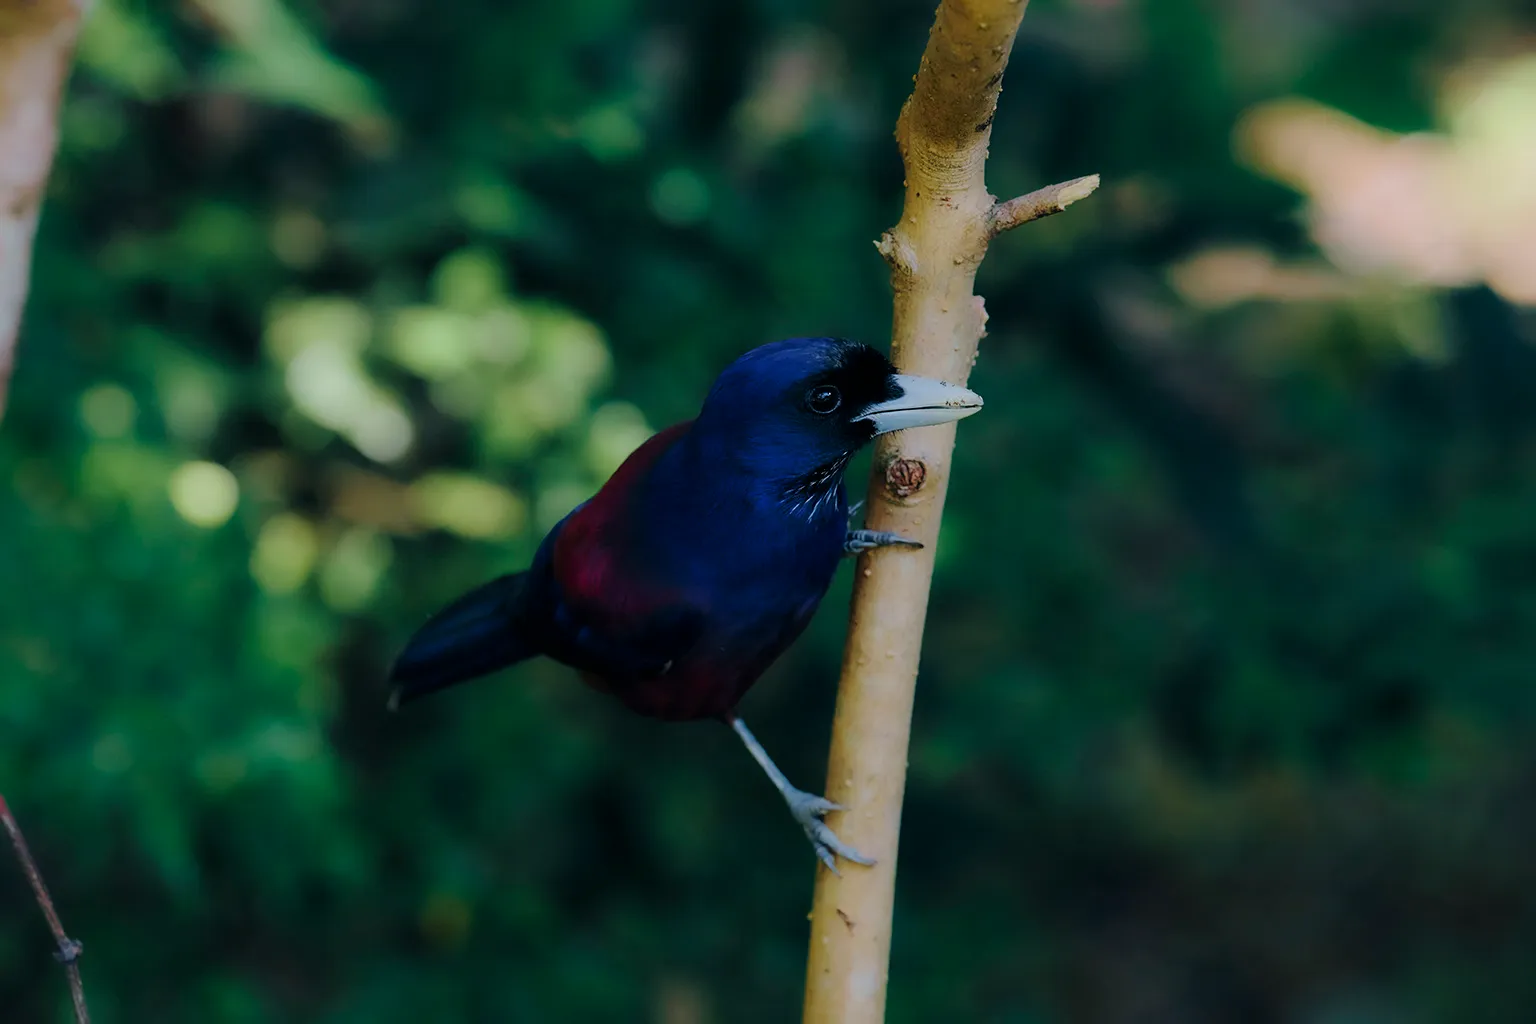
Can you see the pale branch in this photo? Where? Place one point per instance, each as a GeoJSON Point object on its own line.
{"type": "Point", "coordinates": [37, 42]}
{"type": "Point", "coordinates": [947, 220]}
{"type": "Point", "coordinates": [68, 952]}
{"type": "Point", "coordinates": [1042, 202]}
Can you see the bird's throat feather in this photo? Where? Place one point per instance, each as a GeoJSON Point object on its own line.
{"type": "Point", "coordinates": [815, 492]}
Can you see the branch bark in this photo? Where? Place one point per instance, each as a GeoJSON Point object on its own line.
{"type": "Point", "coordinates": [69, 950]}
{"type": "Point", "coordinates": [947, 220]}
{"type": "Point", "coordinates": [37, 42]}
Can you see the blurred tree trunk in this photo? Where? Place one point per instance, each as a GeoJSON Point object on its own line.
{"type": "Point", "coordinates": [37, 41]}
{"type": "Point", "coordinates": [946, 223]}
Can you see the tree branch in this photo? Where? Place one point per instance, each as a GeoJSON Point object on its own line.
{"type": "Point", "coordinates": [1042, 202]}
{"type": "Point", "coordinates": [37, 40]}
{"type": "Point", "coordinates": [69, 950]}
{"type": "Point", "coordinates": [946, 222]}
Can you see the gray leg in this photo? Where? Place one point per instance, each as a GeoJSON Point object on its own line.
{"type": "Point", "coordinates": [807, 808]}
{"type": "Point", "coordinates": [859, 541]}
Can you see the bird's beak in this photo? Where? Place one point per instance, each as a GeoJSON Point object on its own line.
{"type": "Point", "coordinates": [923, 402]}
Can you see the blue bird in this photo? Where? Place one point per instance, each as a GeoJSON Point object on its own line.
{"type": "Point", "coordinates": [705, 554]}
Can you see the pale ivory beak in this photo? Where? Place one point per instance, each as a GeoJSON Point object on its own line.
{"type": "Point", "coordinates": [923, 402]}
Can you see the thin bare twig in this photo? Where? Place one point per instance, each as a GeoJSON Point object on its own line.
{"type": "Point", "coordinates": [1042, 202]}
{"type": "Point", "coordinates": [69, 950]}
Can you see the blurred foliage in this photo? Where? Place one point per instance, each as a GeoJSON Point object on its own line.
{"type": "Point", "coordinates": [1227, 713]}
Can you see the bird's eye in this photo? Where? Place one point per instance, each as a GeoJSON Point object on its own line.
{"type": "Point", "coordinates": [824, 400]}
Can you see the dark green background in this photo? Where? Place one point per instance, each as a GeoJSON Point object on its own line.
{"type": "Point", "coordinates": [1227, 705]}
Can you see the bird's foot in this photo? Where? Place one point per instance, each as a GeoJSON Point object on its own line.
{"type": "Point", "coordinates": [808, 809]}
{"type": "Point", "coordinates": [859, 541]}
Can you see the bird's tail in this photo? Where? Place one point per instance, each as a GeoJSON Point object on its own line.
{"type": "Point", "coordinates": [474, 636]}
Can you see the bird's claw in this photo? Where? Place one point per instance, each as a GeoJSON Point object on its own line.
{"type": "Point", "coordinates": [807, 809]}
{"type": "Point", "coordinates": [859, 541]}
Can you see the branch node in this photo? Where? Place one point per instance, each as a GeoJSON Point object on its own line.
{"type": "Point", "coordinates": [1042, 202]}
{"type": "Point", "coordinates": [905, 477]}
{"type": "Point", "coordinates": [898, 252]}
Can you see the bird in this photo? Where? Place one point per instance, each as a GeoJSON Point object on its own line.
{"type": "Point", "coordinates": [704, 555]}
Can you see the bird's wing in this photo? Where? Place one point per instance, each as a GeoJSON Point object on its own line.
{"type": "Point", "coordinates": [613, 614]}
{"type": "Point", "coordinates": [637, 646]}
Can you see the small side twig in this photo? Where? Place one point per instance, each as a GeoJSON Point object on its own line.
{"type": "Point", "coordinates": [69, 950]}
{"type": "Point", "coordinates": [1042, 202]}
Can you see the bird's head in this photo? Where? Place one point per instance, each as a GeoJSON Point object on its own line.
{"type": "Point", "coordinates": [795, 411]}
